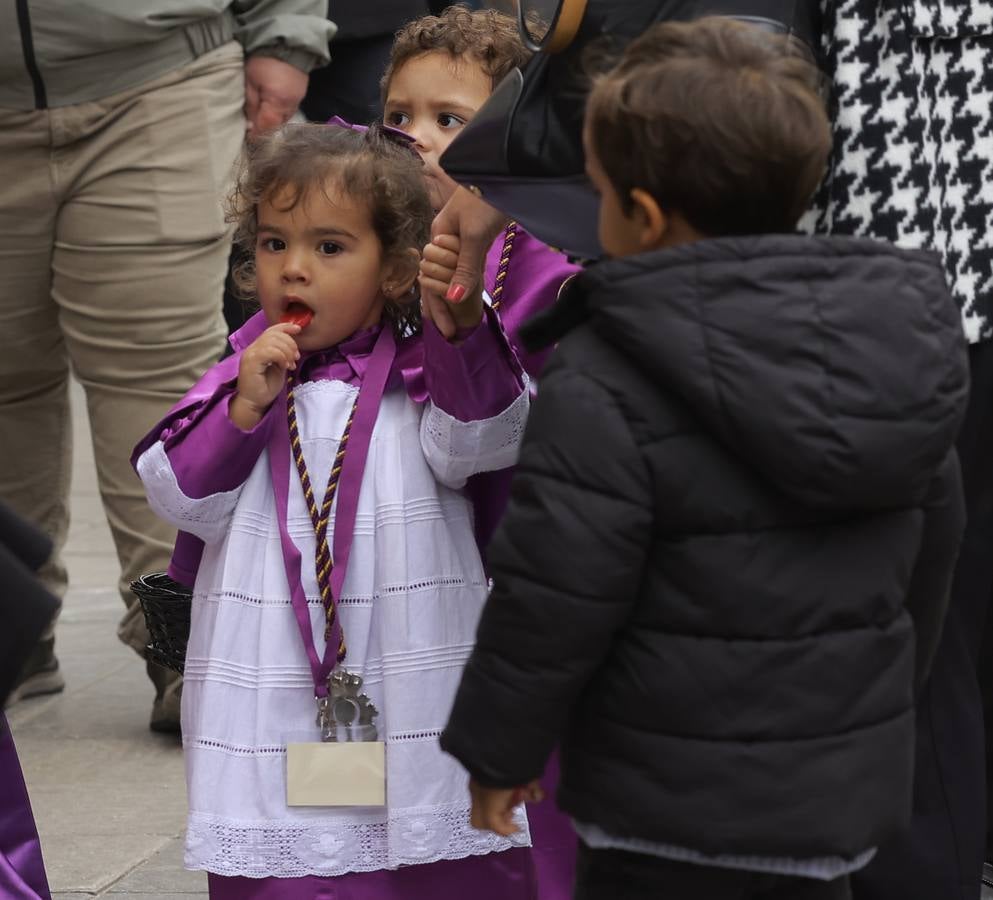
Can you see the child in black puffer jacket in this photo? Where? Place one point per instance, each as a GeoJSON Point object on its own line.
{"type": "Point", "coordinates": [727, 554]}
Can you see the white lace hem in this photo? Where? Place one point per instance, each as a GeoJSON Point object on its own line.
{"type": "Point", "coordinates": [328, 848]}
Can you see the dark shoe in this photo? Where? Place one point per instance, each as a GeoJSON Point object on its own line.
{"type": "Point", "coordinates": [41, 674]}
{"type": "Point", "coordinates": [168, 699]}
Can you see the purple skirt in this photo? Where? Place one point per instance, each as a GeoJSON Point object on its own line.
{"type": "Point", "coordinates": [496, 876]}
{"type": "Point", "coordinates": [22, 870]}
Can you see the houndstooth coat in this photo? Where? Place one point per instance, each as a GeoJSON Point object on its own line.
{"type": "Point", "coordinates": [912, 105]}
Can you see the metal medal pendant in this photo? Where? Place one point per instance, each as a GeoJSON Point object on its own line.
{"type": "Point", "coordinates": [350, 713]}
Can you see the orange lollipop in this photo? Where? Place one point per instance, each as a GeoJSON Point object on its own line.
{"type": "Point", "coordinates": [297, 314]}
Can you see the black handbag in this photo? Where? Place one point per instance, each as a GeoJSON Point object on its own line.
{"type": "Point", "coordinates": [523, 150]}
{"type": "Point", "coordinates": [167, 605]}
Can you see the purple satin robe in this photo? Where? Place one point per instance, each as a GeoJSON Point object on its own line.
{"type": "Point", "coordinates": [22, 869]}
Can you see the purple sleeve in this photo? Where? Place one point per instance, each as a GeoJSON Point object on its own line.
{"type": "Point", "coordinates": [534, 278]}
{"type": "Point", "coordinates": [208, 452]}
{"type": "Point", "coordinates": [477, 379]}
{"type": "Point", "coordinates": [186, 556]}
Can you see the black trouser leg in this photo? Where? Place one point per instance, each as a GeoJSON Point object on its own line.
{"type": "Point", "coordinates": [942, 854]}
{"type": "Point", "coordinates": [986, 687]}
{"type": "Point", "coordinates": [349, 85]}
{"type": "Point", "coordinates": [620, 875]}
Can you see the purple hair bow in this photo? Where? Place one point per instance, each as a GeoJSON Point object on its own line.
{"type": "Point", "coordinates": [404, 139]}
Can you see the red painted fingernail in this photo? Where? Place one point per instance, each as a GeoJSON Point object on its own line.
{"type": "Point", "coordinates": [455, 293]}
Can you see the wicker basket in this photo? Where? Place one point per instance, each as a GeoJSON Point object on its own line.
{"type": "Point", "coordinates": [166, 605]}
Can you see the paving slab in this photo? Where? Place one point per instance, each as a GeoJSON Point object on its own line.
{"type": "Point", "coordinates": [163, 873]}
{"type": "Point", "coordinates": [107, 793]}
{"type": "Point", "coordinates": [173, 895]}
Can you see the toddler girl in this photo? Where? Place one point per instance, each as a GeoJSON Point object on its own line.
{"type": "Point", "coordinates": [337, 439]}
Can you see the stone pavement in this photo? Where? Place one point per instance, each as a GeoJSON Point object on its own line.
{"type": "Point", "coordinates": [108, 794]}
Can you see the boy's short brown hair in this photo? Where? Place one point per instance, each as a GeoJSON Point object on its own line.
{"type": "Point", "coordinates": [487, 36]}
{"type": "Point", "coordinates": [717, 120]}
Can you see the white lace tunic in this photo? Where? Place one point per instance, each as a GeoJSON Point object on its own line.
{"type": "Point", "coordinates": [411, 599]}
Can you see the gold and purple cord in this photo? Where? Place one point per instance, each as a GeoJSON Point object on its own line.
{"type": "Point", "coordinates": [320, 517]}
{"type": "Point", "coordinates": [508, 246]}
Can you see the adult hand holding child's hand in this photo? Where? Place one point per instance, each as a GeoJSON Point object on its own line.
{"type": "Point", "coordinates": [449, 306]}
{"type": "Point", "coordinates": [476, 224]}
{"type": "Point", "coordinates": [262, 373]}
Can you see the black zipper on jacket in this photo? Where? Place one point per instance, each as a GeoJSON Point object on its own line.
{"type": "Point", "coordinates": [24, 23]}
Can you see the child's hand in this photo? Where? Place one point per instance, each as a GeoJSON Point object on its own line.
{"type": "Point", "coordinates": [439, 299]}
{"type": "Point", "coordinates": [262, 373]}
{"type": "Point", "coordinates": [493, 808]}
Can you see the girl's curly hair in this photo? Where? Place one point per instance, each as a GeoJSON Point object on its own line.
{"type": "Point", "coordinates": [487, 36]}
{"type": "Point", "coordinates": [372, 167]}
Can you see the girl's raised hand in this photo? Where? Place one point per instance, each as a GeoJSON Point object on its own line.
{"type": "Point", "coordinates": [262, 373]}
{"type": "Point", "coordinates": [444, 303]}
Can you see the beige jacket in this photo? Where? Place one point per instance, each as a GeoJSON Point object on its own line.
{"type": "Point", "coordinates": [59, 54]}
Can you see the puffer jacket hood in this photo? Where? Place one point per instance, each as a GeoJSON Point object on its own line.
{"type": "Point", "coordinates": [799, 374]}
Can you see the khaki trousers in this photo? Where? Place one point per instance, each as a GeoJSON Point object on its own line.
{"type": "Point", "coordinates": [113, 254]}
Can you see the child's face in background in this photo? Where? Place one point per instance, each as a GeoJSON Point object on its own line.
{"type": "Point", "coordinates": [432, 97]}
{"type": "Point", "coordinates": [323, 254]}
